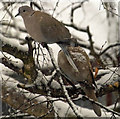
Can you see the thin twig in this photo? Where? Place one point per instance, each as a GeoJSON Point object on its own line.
{"type": "Point", "coordinates": [75, 27]}
{"type": "Point", "coordinates": [13, 26]}
{"type": "Point", "coordinates": [109, 9]}
{"type": "Point", "coordinates": [75, 8]}
{"type": "Point", "coordinates": [51, 56]}
{"type": "Point", "coordinates": [72, 105]}
{"type": "Point", "coordinates": [55, 7]}
{"type": "Point", "coordinates": [102, 106]}
{"type": "Point", "coordinates": [110, 46]}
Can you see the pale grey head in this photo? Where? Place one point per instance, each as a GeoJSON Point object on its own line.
{"type": "Point", "coordinates": [24, 10]}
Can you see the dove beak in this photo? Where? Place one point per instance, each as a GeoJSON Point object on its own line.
{"type": "Point", "coordinates": [17, 14]}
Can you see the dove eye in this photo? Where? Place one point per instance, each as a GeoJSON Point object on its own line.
{"type": "Point", "coordinates": [23, 10]}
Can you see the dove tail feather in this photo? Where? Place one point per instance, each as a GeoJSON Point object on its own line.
{"type": "Point", "coordinates": [90, 93]}
{"type": "Point", "coordinates": [66, 52]}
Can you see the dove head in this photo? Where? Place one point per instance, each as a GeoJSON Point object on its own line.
{"type": "Point", "coordinates": [24, 10]}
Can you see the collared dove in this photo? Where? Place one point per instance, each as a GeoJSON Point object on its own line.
{"type": "Point", "coordinates": [43, 28]}
{"type": "Point", "coordinates": [84, 76]}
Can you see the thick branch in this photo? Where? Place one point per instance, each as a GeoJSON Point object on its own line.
{"type": "Point", "coordinates": [26, 102]}
{"type": "Point", "coordinates": [28, 70]}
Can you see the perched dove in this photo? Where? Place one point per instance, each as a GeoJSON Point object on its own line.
{"type": "Point", "coordinates": [43, 28]}
{"type": "Point", "coordinates": [84, 75]}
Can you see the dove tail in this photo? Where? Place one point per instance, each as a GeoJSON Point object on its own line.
{"type": "Point", "coordinates": [90, 93]}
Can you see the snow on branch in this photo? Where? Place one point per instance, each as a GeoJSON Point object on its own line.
{"type": "Point", "coordinates": [49, 95]}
